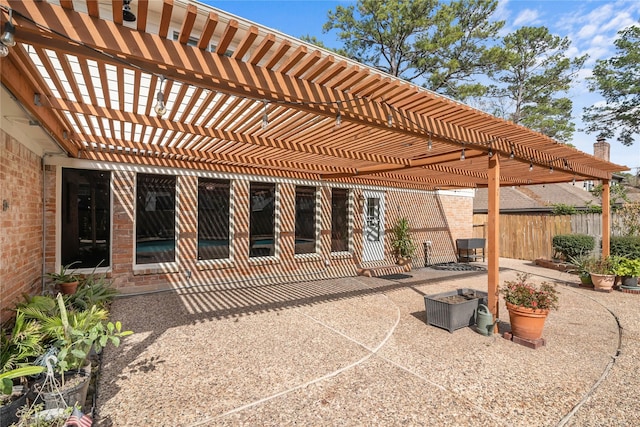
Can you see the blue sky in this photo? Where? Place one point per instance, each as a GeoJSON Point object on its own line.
{"type": "Point", "coordinates": [590, 25]}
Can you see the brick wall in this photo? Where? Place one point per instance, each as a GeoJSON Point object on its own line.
{"type": "Point", "coordinates": [439, 219]}
{"type": "Point", "coordinates": [20, 222]}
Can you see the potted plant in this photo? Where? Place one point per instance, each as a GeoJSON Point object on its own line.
{"type": "Point", "coordinates": [72, 335]}
{"type": "Point", "coordinates": [528, 305]}
{"type": "Point", "coordinates": [581, 266]}
{"type": "Point", "coordinates": [402, 243]}
{"type": "Point", "coordinates": [629, 270]}
{"type": "Point", "coordinates": [603, 272]}
{"type": "Point", "coordinates": [66, 280]}
{"type": "Point", "coordinates": [19, 345]}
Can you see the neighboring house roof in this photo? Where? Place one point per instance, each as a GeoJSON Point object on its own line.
{"type": "Point", "coordinates": [536, 197]}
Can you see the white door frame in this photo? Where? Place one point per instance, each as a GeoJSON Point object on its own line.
{"type": "Point", "coordinates": [373, 226]}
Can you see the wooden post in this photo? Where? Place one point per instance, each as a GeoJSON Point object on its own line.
{"type": "Point", "coordinates": [606, 219]}
{"type": "Point", "coordinates": [493, 235]}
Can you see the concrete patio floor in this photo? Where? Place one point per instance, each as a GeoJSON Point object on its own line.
{"type": "Point", "coordinates": [358, 352]}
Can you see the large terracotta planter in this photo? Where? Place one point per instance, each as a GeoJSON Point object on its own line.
{"type": "Point", "coordinates": [526, 323]}
{"type": "Point", "coordinates": [603, 282]}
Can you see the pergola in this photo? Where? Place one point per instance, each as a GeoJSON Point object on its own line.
{"type": "Point", "coordinates": [246, 99]}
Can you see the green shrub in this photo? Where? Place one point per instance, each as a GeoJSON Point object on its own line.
{"type": "Point", "coordinates": [573, 245]}
{"type": "Point", "coordinates": [626, 246]}
{"type": "Point", "coordinates": [562, 209]}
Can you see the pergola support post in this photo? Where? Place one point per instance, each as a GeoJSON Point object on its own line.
{"type": "Point", "coordinates": [493, 237]}
{"type": "Point", "coordinates": [606, 218]}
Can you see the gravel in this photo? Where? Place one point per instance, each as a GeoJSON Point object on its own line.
{"type": "Point", "coordinates": [358, 351]}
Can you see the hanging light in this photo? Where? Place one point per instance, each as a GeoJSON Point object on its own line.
{"type": "Point", "coordinates": [530, 165]}
{"type": "Point", "coordinates": [490, 152]}
{"type": "Point", "coordinates": [338, 117]}
{"type": "Point", "coordinates": [462, 156]}
{"type": "Point", "coordinates": [389, 120]}
{"type": "Point", "coordinates": [429, 143]}
{"type": "Point", "coordinates": [127, 15]}
{"type": "Point", "coordinates": [7, 38]}
{"type": "Point", "coordinates": [512, 154]}
{"type": "Point", "coordinates": [160, 108]}
{"type": "Point", "coordinates": [265, 117]}
{"type": "Point", "coordinates": [574, 180]}
{"type": "Point", "coordinates": [551, 169]}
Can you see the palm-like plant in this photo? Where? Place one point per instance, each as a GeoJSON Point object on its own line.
{"type": "Point", "coordinates": [23, 343]}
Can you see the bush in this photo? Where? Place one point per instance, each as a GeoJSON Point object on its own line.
{"type": "Point", "coordinates": [573, 245]}
{"type": "Point", "coordinates": [626, 246]}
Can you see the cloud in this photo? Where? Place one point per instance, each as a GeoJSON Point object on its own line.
{"type": "Point", "coordinates": [527, 17]}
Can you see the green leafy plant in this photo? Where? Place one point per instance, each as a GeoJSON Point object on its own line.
{"type": "Point", "coordinates": [92, 290]}
{"type": "Point", "coordinates": [401, 242]}
{"type": "Point", "coordinates": [581, 265]}
{"type": "Point", "coordinates": [65, 275]}
{"type": "Point", "coordinates": [573, 245]}
{"type": "Point", "coordinates": [31, 416]}
{"type": "Point", "coordinates": [18, 347]}
{"type": "Point", "coordinates": [604, 265]}
{"type": "Point", "coordinates": [523, 293]}
{"type": "Point", "coordinates": [626, 246]}
{"type": "Point", "coordinates": [628, 267]}
{"type": "Point", "coordinates": [562, 209]}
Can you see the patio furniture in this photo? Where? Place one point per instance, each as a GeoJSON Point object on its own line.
{"type": "Point", "coordinates": [454, 309]}
{"type": "Point", "coordinates": [470, 249]}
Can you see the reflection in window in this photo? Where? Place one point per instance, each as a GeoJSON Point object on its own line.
{"type": "Point", "coordinates": [373, 219]}
{"type": "Point", "coordinates": [339, 220]}
{"type": "Point", "coordinates": [155, 219]}
{"type": "Point", "coordinates": [213, 218]}
{"type": "Point", "coordinates": [262, 219]}
{"type": "Point", "coordinates": [305, 220]}
{"type": "Point", "coordinates": [86, 219]}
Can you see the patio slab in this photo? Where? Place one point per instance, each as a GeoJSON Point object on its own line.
{"type": "Point", "coordinates": [358, 351]}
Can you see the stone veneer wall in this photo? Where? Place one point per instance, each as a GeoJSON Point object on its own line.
{"type": "Point", "coordinates": [20, 222]}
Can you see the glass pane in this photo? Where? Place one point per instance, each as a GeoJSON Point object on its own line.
{"type": "Point", "coordinates": [373, 219]}
{"type": "Point", "coordinates": [339, 220]}
{"type": "Point", "coordinates": [262, 219]}
{"type": "Point", "coordinates": [86, 218]}
{"type": "Point", "coordinates": [213, 218]}
{"type": "Point", "coordinates": [305, 220]}
{"type": "Point", "coordinates": [155, 219]}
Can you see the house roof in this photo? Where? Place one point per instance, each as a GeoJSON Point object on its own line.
{"type": "Point", "coordinates": [541, 197]}
{"type": "Point", "coordinates": [244, 98]}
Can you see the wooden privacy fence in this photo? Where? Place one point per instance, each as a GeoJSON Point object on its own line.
{"type": "Point", "coordinates": [529, 236]}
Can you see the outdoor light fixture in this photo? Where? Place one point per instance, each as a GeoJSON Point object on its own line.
{"type": "Point", "coordinates": [462, 156]}
{"type": "Point", "coordinates": [490, 152]}
{"type": "Point", "coordinates": [551, 169]}
{"type": "Point", "coordinates": [389, 120]}
{"type": "Point", "coordinates": [338, 118]}
{"type": "Point", "coordinates": [574, 180]}
{"type": "Point", "coordinates": [7, 38]}
{"type": "Point", "coordinates": [160, 108]}
{"type": "Point", "coordinates": [127, 15]}
{"type": "Point", "coordinates": [429, 143]}
{"type": "Point", "coordinates": [512, 154]}
{"type": "Point", "coordinates": [265, 117]}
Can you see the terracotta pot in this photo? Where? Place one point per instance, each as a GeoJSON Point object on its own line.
{"type": "Point", "coordinates": [68, 288]}
{"type": "Point", "coordinates": [603, 281]}
{"type": "Point", "coordinates": [526, 323]}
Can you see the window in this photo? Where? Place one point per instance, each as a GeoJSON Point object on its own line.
{"type": "Point", "coordinates": [213, 218]}
{"type": "Point", "coordinates": [262, 219]}
{"type": "Point", "coordinates": [155, 219]}
{"type": "Point", "coordinates": [305, 234]}
{"type": "Point", "coordinates": [339, 220]}
{"type": "Point", "coordinates": [86, 218]}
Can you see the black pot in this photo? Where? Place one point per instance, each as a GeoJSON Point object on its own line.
{"type": "Point", "coordinates": [8, 411]}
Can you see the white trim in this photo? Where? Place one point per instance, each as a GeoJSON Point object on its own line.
{"type": "Point", "coordinates": [112, 166]}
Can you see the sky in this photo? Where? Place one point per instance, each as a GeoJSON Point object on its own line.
{"type": "Point", "coordinates": [591, 25]}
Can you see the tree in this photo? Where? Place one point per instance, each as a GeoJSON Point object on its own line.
{"type": "Point", "coordinates": [618, 81]}
{"type": "Point", "coordinates": [534, 69]}
{"type": "Point", "coordinates": [440, 45]}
